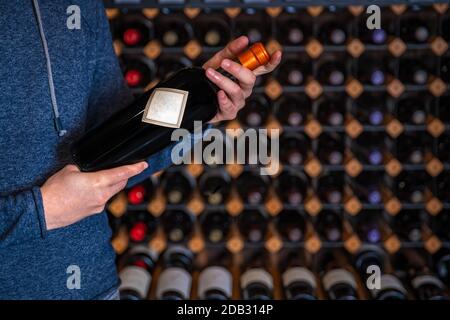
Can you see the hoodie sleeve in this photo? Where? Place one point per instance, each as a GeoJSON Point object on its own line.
{"type": "Point", "coordinates": [21, 217]}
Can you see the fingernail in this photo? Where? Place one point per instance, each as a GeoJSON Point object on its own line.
{"type": "Point", "coordinates": [211, 72]}
{"type": "Point", "coordinates": [144, 165]}
{"type": "Point", "coordinates": [226, 63]}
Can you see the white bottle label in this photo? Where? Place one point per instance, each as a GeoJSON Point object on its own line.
{"type": "Point", "coordinates": [136, 279]}
{"type": "Point", "coordinates": [299, 274]}
{"type": "Point", "coordinates": [217, 278]}
{"type": "Point", "coordinates": [174, 279]}
{"type": "Point", "coordinates": [336, 276]}
{"type": "Point", "coordinates": [257, 275]}
{"type": "Point", "coordinates": [165, 107]}
{"type": "Point", "coordinates": [389, 282]}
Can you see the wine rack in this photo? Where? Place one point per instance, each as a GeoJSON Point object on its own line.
{"type": "Point", "coordinates": [368, 137]}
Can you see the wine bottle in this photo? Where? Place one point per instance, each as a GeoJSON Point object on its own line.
{"type": "Point", "coordinates": [332, 73]}
{"type": "Point", "coordinates": [255, 113]}
{"type": "Point", "coordinates": [331, 111]}
{"type": "Point", "coordinates": [391, 288]}
{"type": "Point", "coordinates": [441, 261]}
{"type": "Point", "coordinates": [138, 71]}
{"type": "Point", "coordinates": [169, 64]}
{"type": "Point", "coordinates": [299, 282]}
{"type": "Point", "coordinates": [368, 226]}
{"type": "Point", "coordinates": [174, 282]}
{"type": "Point", "coordinates": [215, 225]}
{"type": "Point", "coordinates": [173, 29]}
{"type": "Point", "coordinates": [141, 193]}
{"type": "Point", "coordinates": [370, 148]}
{"type": "Point", "coordinates": [291, 224]}
{"type": "Point", "coordinates": [338, 282]}
{"type": "Point", "coordinates": [368, 187]}
{"type": "Point", "coordinates": [412, 187]}
{"type": "Point", "coordinates": [445, 69]}
{"type": "Point", "coordinates": [292, 110]}
{"type": "Point", "coordinates": [330, 187]}
{"type": "Point", "coordinates": [215, 282]}
{"type": "Point", "coordinates": [177, 225]}
{"type": "Point", "coordinates": [177, 185]}
{"type": "Point", "coordinates": [215, 186]}
{"type": "Point", "coordinates": [134, 30]}
{"type": "Point", "coordinates": [292, 32]}
{"type": "Point", "coordinates": [255, 24]}
{"type": "Point", "coordinates": [331, 149]}
{"type": "Point", "coordinates": [408, 225]}
{"type": "Point", "coordinates": [294, 148]}
{"type": "Point", "coordinates": [329, 225]}
{"type": "Point", "coordinates": [141, 225]}
{"type": "Point", "coordinates": [332, 33]}
{"type": "Point", "coordinates": [412, 110]}
{"type": "Point", "coordinates": [291, 187]}
{"type": "Point", "coordinates": [443, 186]}
{"type": "Point", "coordinates": [252, 187]}
{"type": "Point", "coordinates": [377, 36]}
{"type": "Point", "coordinates": [413, 147]}
{"type": "Point", "coordinates": [414, 267]}
{"type": "Point", "coordinates": [293, 72]}
{"type": "Point", "coordinates": [140, 130]}
{"type": "Point", "coordinates": [212, 29]}
{"type": "Point", "coordinates": [256, 281]}
{"type": "Point", "coordinates": [413, 71]}
{"type": "Point", "coordinates": [136, 276]}
{"type": "Point", "coordinates": [445, 26]}
{"type": "Point", "coordinates": [443, 147]}
{"type": "Point", "coordinates": [252, 224]}
{"type": "Point", "coordinates": [371, 109]}
{"type": "Point", "coordinates": [414, 30]}
{"type": "Point", "coordinates": [367, 256]}
{"type": "Point", "coordinates": [441, 224]}
{"type": "Point", "coordinates": [373, 69]}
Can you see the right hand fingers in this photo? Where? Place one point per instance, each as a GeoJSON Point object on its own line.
{"type": "Point", "coordinates": [110, 177]}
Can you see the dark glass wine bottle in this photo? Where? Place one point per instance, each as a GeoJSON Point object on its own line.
{"type": "Point", "coordinates": [445, 69]}
{"type": "Point", "coordinates": [256, 281]}
{"type": "Point", "coordinates": [331, 111]}
{"type": "Point", "coordinates": [332, 33]}
{"type": "Point", "coordinates": [412, 186]}
{"type": "Point", "coordinates": [292, 31]}
{"type": "Point", "coordinates": [338, 282]}
{"type": "Point", "coordinates": [372, 69]}
{"type": "Point", "coordinates": [293, 72]}
{"type": "Point", "coordinates": [441, 224]}
{"type": "Point", "coordinates": [329, 225]}
{"type": "Point", "coordinates": [367, 256]}
{"type": "Point", "coordinates": [252, 224]}
{"type": "Point", "coordinates": [167, 65]}
{"type": "Point", "coordinates": [145, 127]}
{"type": "Point", "coordinates": [441, 260]}
{"type": "Point", "coordinates": [291, 186]}
{"type": "Point", "coordinates": [391, 288]}
{"type": "Point", "coordinates": [408, 224]}
{"type": "Point", "coordinates": [141, 193]}
{"type": "Point", "coordinates": [255, 113]}
{"type": "Point", "coordinates": [414, 30]}
{"type": "Point", "coordinates": [215, 282]}
{"type": "Point", "coordinates": [292, 110]}
{"type": "Point", "coordinates": [173, 29]}
{"type": "Point", "coordinates": [370, 148]}
{"type": "Point", "coordinates": [291, 224]}
{"type": "Point", "coordinates": [371, 109]}
{"type": "Point", "coordinates": [141, 225]}
{"type": "Point", "coordinates": [137, 71]}
{"type": "Point", "coordinates": [294, 148]}
{"type": "Point", "coordinates": [134, 30]}
{"type": "Point", "coordinates": [299, 282]}
{"type": "Point", "coordinates": [368, 225]}
{"type": "Point", "coordinates": [177, 185]}
{"type": "Point", "coordinates": [212, 29]}
{"type": "Point", "coordinates": [332, 73]}
{"type": "Point", "coordinates": [215, 186]}
{"type": "Point", "coordinates": [413, 147]}
{"type": "Point", "coordinates": [413, 266]}
{"type": "Point", "coordinates": [215, 225]}
{"type": "Point", "coordinates": [412, 110]}
{"type": "Point", "coordinates": [331, 148]}
{"type": "Point", "coordinates": [368, 187]}
{"type": "Point", "coordinates": [252, 187]}
{"type": "Point", "coordinates": [413, 71]}
{"type": "Point", "coordinates": [174, 282]}
{"type": "Point", "coordinates": [330, 187]}
{"type": "Point", "coordinates": [177, 225]}
{"type": "Point", "coordinates": [136, 276]}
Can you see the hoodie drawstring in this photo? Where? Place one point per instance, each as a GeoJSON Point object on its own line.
{"type": "Point", "coordinates": [57, 121]}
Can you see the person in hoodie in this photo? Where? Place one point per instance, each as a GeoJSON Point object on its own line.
{"type": "Point", "coordinates": [55, 84]}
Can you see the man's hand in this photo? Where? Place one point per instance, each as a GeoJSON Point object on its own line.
{"type": "Point", "coordinates": [232, 95]}
{"type": "Point", "coordinates": [70, 195]}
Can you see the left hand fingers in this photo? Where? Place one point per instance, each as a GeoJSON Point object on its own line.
{"type": "Point", "coordinates": [231, 88]}
{"type": "Point", "coordinates": [245, 77]}
{"type": "Point", "coordinates": [229, 52]}
{"type": "Point", "coordinates": [270, 66]}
